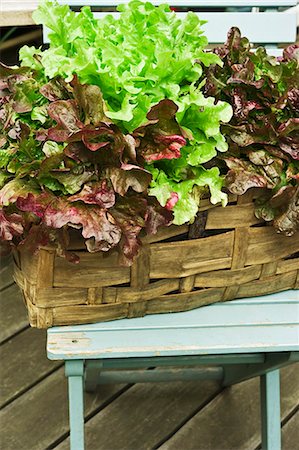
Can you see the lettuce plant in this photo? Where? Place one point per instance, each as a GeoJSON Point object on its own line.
{"type": "Point", "coordinates": [263, 135]}
{"type": "Point", "coordinates": [108, 131]}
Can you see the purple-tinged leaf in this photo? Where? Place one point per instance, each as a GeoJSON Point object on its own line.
{"type": "Point", "coordinates": [164, 110]}
{"type": "Point", "coordinates": [242, 177]}
{"type": "Point", "coordinates": [172, 201]}
{"type": "Point", "coordinates": [282, 197]}
{"type": "Point", "coordinates": [130, 147]}
{"type": "Point", "coordinates": [66, 114]}
{"type": "Point", "coordinates": [241, 105]}
{"type": "Point", "coordinates": [56, 89]}
{"type": "Point", "coordinates": [129, 176]}
{"type": "Point", "coordinates": [57, 212]}
{"type": "Point", "coordinates": [289, 126]}
{"type": "Point", "coordinates": [77, 151]}
{"type": "Point", "coordinates": [260, 157]}
{"type": "Point", "coordinates": [130, 214]}
{"type": "Point", "coordinates": [161, 137]}
{"type": "Point", "coordinates": [90, 101]}
{"type": "Point", "coordinates": [16, 188]}
{"type": "Point", "coordinates": [11, 225]}
{"type": "Point", "coordinates": [100, 193]}
{"type": "Point", "coordinates": [288, 222]}
{"type": "Point", "coordinates": [290, 145]}
{"type": "Point", "coordinates": [291, 53]}
{"type": "Point", "coordinates": [157, 217]}
{"type": "Point", "coordinates": [293, 98]}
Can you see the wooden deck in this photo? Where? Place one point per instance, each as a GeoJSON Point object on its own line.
{"type": "Point", "coordinates": [179, 415]}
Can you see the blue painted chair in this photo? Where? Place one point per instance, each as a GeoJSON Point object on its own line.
{"type": "Point", "coordinates": [245, 338]}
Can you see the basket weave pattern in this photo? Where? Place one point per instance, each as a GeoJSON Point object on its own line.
{"type": "Point", "coordinates": [244, 258]}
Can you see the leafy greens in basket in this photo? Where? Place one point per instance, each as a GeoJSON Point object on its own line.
{"type": "Point", "coordinates": [108, 130]}
{"type": "Point", "coordinates": [263, 135]}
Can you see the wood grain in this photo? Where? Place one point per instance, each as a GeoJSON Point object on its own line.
{"type": "Point", "coordinates": [242, 424]}
{"type": "Point", "coordinates": [145, 414]}
{"type": "Point", "coordinates": [6, 271]}
{"type": "Point", "coordinates": [172, 273]}
{"type": "Point", "coordinates": [23, 363]}
{"type": "Point", "coordinates": [290, 433]}
{"type": "Point", "coordinates": [41, 414]}
{"type": "Point", "coordinates": [13, 314]}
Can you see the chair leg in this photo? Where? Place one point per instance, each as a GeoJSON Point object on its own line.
{"type": "Point", "coordinates": [74, 370]}
{"type": "Point", "coordinates": [270, 410]}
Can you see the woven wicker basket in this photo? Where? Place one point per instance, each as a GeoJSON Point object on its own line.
{"type": "Point", "coordinates": [240, 258]}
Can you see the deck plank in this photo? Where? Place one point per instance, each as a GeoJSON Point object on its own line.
{"type": "Point", "coordinates": [13, 314]}
{"type": "Point", "coordinates": [145, 414]}
{"type": "Point", "coordinates": [236, 410]}
{"type": "Point", "coordinates": [6, 271]}
{"type": "Point", "coordinates": [39, 417]}
{"type": "Point", "coordinates": [28, 365]}
{"type": "Point", "coordinates": [290, 433]}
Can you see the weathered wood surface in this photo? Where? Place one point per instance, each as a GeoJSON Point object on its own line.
{"type": "Point", "coordinates": [147, 415]}
{"type": "Point", "coordinates": [13, 314]}
{"type": "Point", "coordinates": [121, 417]}
{"type": "Point", "coordinates": [290, 433]}
{"type": "Point", "coordinates": [256, 321]}
{"type": "Point", "coordinates": [23, 363]}
{"type": "Point", "coordinates": [235, 260]}
{"type": "Point", "coordinates": [39, 417]}
{"type": "Point", "coordinates": [6, 271]}
{"type": "Point", "coordinates": [241, 420]}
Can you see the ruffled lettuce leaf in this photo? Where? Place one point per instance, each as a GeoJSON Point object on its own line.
{"type": "Point", "coordinates": [263, 135]}
{"type": "Point", "coordinates": [138, 59]}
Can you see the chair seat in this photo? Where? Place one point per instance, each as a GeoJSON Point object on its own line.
{"type": "Point", "coordinates": [261, 324]}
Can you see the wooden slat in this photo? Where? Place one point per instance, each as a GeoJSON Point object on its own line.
{"type": "Point", "coordinates": [40, 416]}
{"type": "Point", "coordinates": [16, 5]}
{"type": "Point", "coordinates": [290, 433]}
{"type": "Point", "coordinates": [269, 285]}
{"type": "Point", "coordinates": [281, 27]}
{"type": "Point", "coordinates": [145, 414]}
{"type": "Point", "coordinates": [80, 314]}
{"type": "Point", "coordinates": [185, 301]}
{"type": "Point", "coordinates": [6, 270]}
{"type": "Point", "coordinates": [231, 217]}
{"type": "Point", "coordinates": [45, 268]}
{"type": "Point", "coordinates": [265, 245]}
{"type": "Point", "coordinates": [151, 291]}
{"type": "Point", "coordinates": [23, 363]}
{"type": "Point", "coordinates": [171, 334]}
{"type": "Point", "coordinates": [178, 259]}
{"type": "Point", "coordinates": [48, 297]}
{"type": "Point", "coordinates": [13, 314]}
{"type": "Point", "coordinates": [190, 3]}
{"type": "Point", "coordinates": [29, 264]}
{"type": "Point", "coordinates": [243, 421]}
{"type": "Point", "coordinates": [221, 278]}
{"type": "Point", "coordinates": [288, 265]}
{"type": "Point", "coordinates": [92, 271]}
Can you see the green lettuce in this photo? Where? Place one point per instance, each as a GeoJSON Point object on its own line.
{"type": "Point", "coordinates": [138, 59]}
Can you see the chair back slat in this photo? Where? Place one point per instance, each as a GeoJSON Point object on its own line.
{"type": "Point", "coordinates": [264, 22]}
{"type": "Point", "coordinates": [192, 3]}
